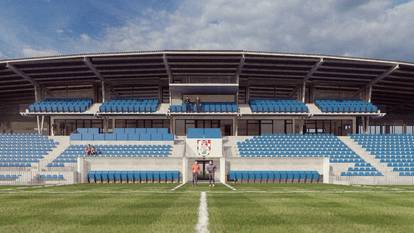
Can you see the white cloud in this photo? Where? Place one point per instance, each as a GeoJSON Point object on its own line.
{"type": "Point", "coordinates": [31, 52]}
{"type": "Point", "coordinates": [358, 28]}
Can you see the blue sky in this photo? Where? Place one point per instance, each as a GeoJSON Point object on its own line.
{"type": "Point", "coordinates": [377, 29]}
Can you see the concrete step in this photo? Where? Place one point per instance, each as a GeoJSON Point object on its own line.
{"type": "Point", "coordinates": [369, 158]}
{"type": "Point", "coordinates": [64, 142]}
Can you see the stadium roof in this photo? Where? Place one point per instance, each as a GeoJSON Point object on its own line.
{"type": "Point", "coordinates": [392, 82]}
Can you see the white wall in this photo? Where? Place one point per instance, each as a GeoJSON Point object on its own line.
{"type": "Point", "coordinates": [216, 147]}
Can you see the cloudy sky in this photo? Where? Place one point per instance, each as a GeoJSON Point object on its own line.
{"type": "Point", "coordinates": [375, 29]}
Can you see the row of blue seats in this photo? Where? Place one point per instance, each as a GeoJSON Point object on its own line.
{"type": "Point", "coordinates": [274, 176]}
{"type": "Point", "coordinates": [401, 169]}
{"type": "Point", "coordinates": [295, 154]}
{"type": "Point", "coordinates": [15, 164]}
{"type": "Point", "coordinates": [141, 130]}
{"type": "Point", "coordinates": [122, 137]}
{"type": "Point", "coordinates": [51, 177]}
{"type": "Point", "coordinates": [61, 105]}
{"type": "Point", "coordinates": [123, 130]}
{"type": "Point", "coordinates": [14, 160]}
{"type": "Point", "coordinates": [205, 107]}
{"type": "Point", "coordinates": [9, 177]}
{"type": "Point", "coordinates": [395, 156]}
{"type": "Point", "coordinates": [361, 173]}
{"type": "Point", "coordinates": [277, 105]}
{"type": "Point", "coordinates": [130, 105]}
{"type": "Point", "coordinates": [400, 160]}
{"type": "Point", "coordinates": [71, 154]}
{"type": "Point", "coordinates": [133, 176]}
{"type": "Point", "coordinates": [276, 108]}
{"type": "Point", "coordinates": [129, 108]}
{"type": "Point", "coordinates": [362, 169]}
{"type": "Point", "coordinates": [407, 173]}
{"type": "Point", "coordinates": [400, 164]}
{"type": "Point", "coordinates": [54, 164]}
{"type": "Point", "coordinates": [203, 133]}
{"type": "Point", "coordinates": [347, 106]}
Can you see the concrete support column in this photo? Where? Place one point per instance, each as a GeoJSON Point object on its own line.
{"type": "Point", "coordinates": [301, 124]}
{"type": "Point", "coordinates": [325, 171]}
{"type": "Point", "coordinates": [105, 124]}
{"type": "Point", "coordinates": [184, 170]}
{"type": "Point", "coordinates": [37, 93]}
{"type": "Point", "coordinates": [312, 94]}
{"type": "Point", "coordinates": [172, 123]}
{"type": "Point", "coordinates": [354, 125]}
{"type": "Point", "coordinates": [52, 126]}
{"type": "Point", "coordinates": [223, 170]}
{"type": "Point", "coordinates": [113, 124]}
{"type": "Point", "coordinates": [103, 91]}
{"type": "Point", "coordinates": [38, 124]}
{"type": "Point", "coordinates": [293, 125]}
{"type": "Point", "coordinates": [303, 91]}
{"type": "Point", "coordinates": [82, 170]}
{"type": "Point", "coordinates": [235, 127]}
{"type": "Point", "coordinates": [364, 125]}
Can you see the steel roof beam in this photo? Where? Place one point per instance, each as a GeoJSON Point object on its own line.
{"type": "Point", "coordinates": [90, 65]}
{"type": "Point", "coordinates": [384, 75]}
{"type": "Point", "coordinates": [20, 73]}
{"type": "Point", "coordinates": [167, 68]}
{"type": "Point", "coordinates": [308, 76]}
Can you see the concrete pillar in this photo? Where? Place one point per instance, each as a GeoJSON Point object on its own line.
{"type": "Point", "coordinates": [184, 170]}
{"type": "Point", "coordinates": [38, 124]}
{"type": "Point", "coordinates": [235, 127]}
{"type": "Point", "coordinates": [293, 125]}
{"type": "Point", "coordinates": [325, 172]}
{"type": "Point", "coordinates": [105, 124]}
{"type": "Point", "coordinates": [103, 91]}
{"type": "Point", "coordinates": [354, 125]}
{"type": "Point", "coordinates": [303, 91]}
{"type": "Point", "coordinates": [82, 170]}
{"type": "Point", "coordinates": [172, 125]}
{"type": "Point", "coordinates": [113, 124]}
{"type": "Point", "coordinates": [222, 170]}
{"type": "Point", "coordinates": [37, 92]}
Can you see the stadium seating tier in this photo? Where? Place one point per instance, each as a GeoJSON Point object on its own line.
{"type": "Point", "coordinates": [277, 105]}
{"type": "Point", "coordinates": [396, 151]}
{"type": "Point", "coordinates": [346, 106]}
{"type": "Point", "coordinates": [61, 105]}
{"type": "Point", "coordinates": [129, 105]}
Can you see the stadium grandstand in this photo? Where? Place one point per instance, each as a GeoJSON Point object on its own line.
{"type": "Point", "coordinates": [261, 117]}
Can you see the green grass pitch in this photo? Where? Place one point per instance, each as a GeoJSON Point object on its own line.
{"type": "Point", "coordinates": [251, 208]}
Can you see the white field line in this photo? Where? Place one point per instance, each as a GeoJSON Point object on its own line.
{"type": "Point", "coordinates": [202, 224]}
{"type": "Point", "coordinates": [177, 187]}
{"type": "Point", "coordinates": [4, 192]}
{"type": "Point", "coordinates": [229, 186]}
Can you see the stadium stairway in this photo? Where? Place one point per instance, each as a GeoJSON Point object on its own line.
{"type": "Point", "coordinates": [64, 143]}
{"type": "Point", "coordinates": [94, 108]}
{"type": "Point", "coordinates": [386, 171]}
{"type": "Point", "coordinates": [313, 109]}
